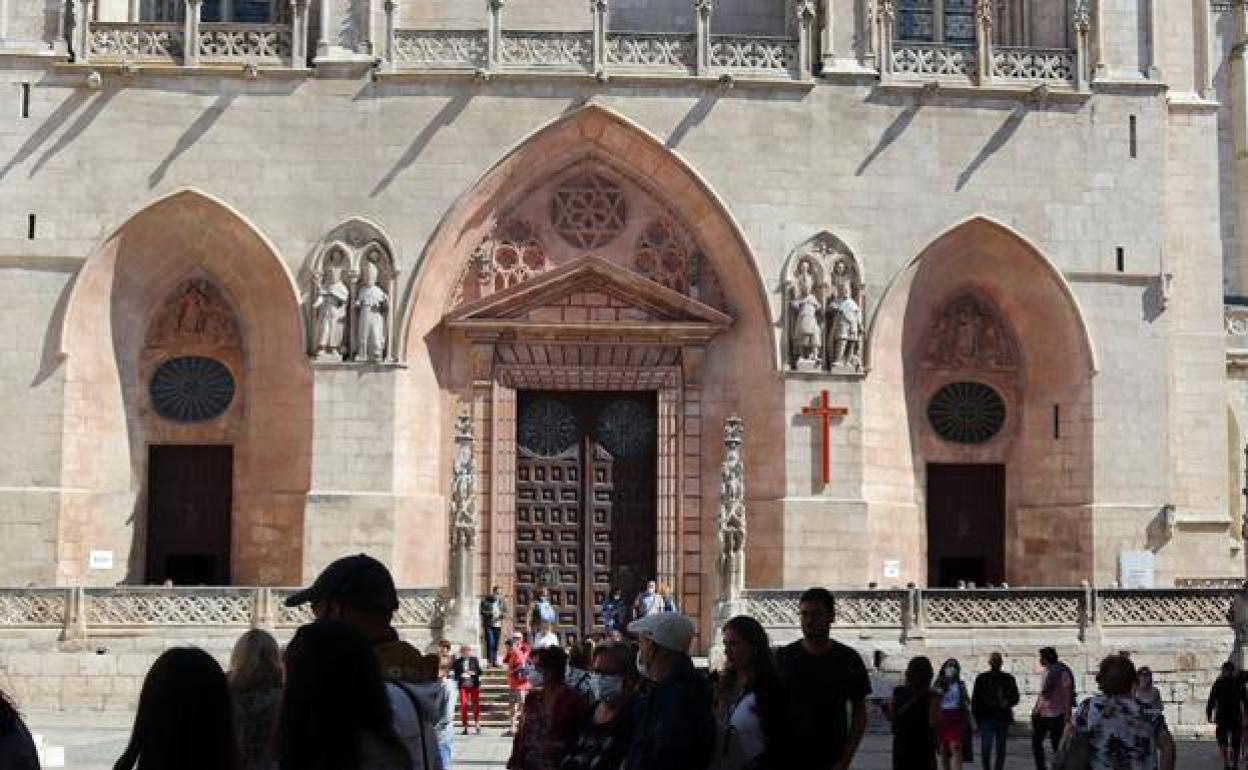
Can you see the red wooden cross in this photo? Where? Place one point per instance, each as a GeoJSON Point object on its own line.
{"type": "Point", "coordinates": [825, 413]}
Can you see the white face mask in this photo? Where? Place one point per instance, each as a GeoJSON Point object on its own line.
{"type": "Point", "coordinates": [951, 672]}
{"type": "Point", "coordinates": [642, 668]}
{"type": "Point", "coordinates": [536, 679]}
{"type": "Point", "coordinates": [607, 687]}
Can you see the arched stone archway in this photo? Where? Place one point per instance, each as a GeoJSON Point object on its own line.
{"type": "Point", "coordinates": [1007, 320]}
{"type": "Point", "coordinates": [128, 284]}
{"type": "Point", "coordinates": [512, 297]}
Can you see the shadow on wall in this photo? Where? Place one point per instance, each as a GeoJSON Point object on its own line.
{"type": "Point", "coordinates": [444, 118]}
{"type": "Point", "coordinates": [190, 136]}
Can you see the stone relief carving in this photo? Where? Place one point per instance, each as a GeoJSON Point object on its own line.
{"type": "Point", "coordinates": [196, 313]}
{"type": "Point", "coordinates": [589, 210]}
{"type": "Point", "coordinates": [350, 296]}
{"type": "Point", "coordinates": [731, 516]}
{"type": "Point", "coordinates": [823, 308]}
{"type": "Point", "coordinates": [464, 486]}
{"type": "Point", "coordinates": [968, 333]}
{"type": "Point", "coordinates": [664, 256]}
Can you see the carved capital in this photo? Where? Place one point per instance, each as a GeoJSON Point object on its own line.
{"type": "Point", "coordinates": [805, 11]}
{"type": "Point", "coordinates": [1081, 17]}
{"type": "Point", "coordinates": [496, 5]}
{"type": "Point", "coordinates": [887, 10]}
{"type": "Point", "coordinates": [983, 12]}
{"type": "Point", "coordinates": [597, 6]}
{"type": "Point", "coordinates": [704, 7]}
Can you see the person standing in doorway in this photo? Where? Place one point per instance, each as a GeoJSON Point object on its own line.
{"type": "Point", "coordinates": [824, 679]}
{"type": "Point", "coordinates": [493, 611]}
{"type": "Point", "coordinates": [614, 612]}
{"type": "Point", "coordinates": [467, 673]}
{"type": "Point", "coordinates": [543, 614]}
{"type": "Point", "coordinates": [546, 638]}
{"type": "Point", "coordinates": [667, 598]}
{"type": "Point", "coordinates": [1226, 710]}
{"type": "Point", "coordinates": [992, 702]}
{"type": "Point", "coordinates": [648, 602]}
{"type": "Point", "coordinates": [1053, 705]}
{"type": "Point", "coordinates": [910, 711]}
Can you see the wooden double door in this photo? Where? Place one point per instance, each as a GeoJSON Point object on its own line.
{"type": "Point", "coordinates": [189, 500]}
{"type": "Point", "coordinates": [586, 500]}
{"type": "Point", "coordinates": [965, 525]}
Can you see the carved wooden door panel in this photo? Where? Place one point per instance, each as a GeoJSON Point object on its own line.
{"type": "Point", "coordinates": [584, 479]}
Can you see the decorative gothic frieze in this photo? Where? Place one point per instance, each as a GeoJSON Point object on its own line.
{"type": "Point", "coordinates": [823, 308]}
{"type": "Point", "coordinates": [351, 293]}
{"type": "Point", "coordinates": [969, 333]}
{"type": "Point", "coordinates": [195, 314]}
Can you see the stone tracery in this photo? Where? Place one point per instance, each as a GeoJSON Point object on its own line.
{"type": "Point", "coordinates": [589, 210]}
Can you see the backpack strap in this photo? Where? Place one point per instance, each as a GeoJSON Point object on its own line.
{"type": "Point", "coordinates": [420, 723]}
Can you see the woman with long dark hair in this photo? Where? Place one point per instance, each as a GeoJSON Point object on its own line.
{"type": "Point", "coordinates": [910, 711]}
{"type": "Point", "coordinates": [748, 702]}
{"type": "Point", "coordinates": [184, 719]}
{"type": "Point", "coordinates": [255, 680]}
{"type": "Point", "coordinates": [951, 713]}
{"type": "Point", "coordinates": [17, 748]}
{"type": "Point", "coordinates": [335, 713]}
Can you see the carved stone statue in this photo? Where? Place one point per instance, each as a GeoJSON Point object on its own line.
{"type": "Point", "coordinates": [806, 318]}
{"type": "Point", "coordinates": [846, 330]}
{"type": "Point", "coordinates": [731, 516]}
{"type": "Point", "coordinates": [331, 315]}
{"type": "Point", "coordinates": [464, 487]}
{"type": "Point", "coordinates": [196, 313]}
{"type": "Point", "coordinates": [968, 333]}
{"type": "Point", "coordinates": [372, 308]}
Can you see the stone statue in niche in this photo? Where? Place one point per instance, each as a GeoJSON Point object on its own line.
{"type": "Point", "coordinates": [806, 318]}
{"type": "Point", "coordinates": [824, 303]}
{"type": "Point", "coordinates": [464, 486]}
{"type": "Point", "coordinates": [372, 309]}
{"type": "Point", "coordinates": [731, 515]}
{"type": "Point", "coordinates": [196, 313]}
{"type": "Point", "coordinates": [968, 333]}
{"type": "Point", "coordinates": [332, 299]}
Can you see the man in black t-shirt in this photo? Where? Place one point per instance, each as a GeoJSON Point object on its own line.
{"type": "Point", "coordinates": [823, 679]}
{"type": "Point", "coordinates": [993, 700]}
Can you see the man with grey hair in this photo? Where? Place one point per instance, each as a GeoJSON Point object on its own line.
{"type": "Point", "coordinates": [676, 729]}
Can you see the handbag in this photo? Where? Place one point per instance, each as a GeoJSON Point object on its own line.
{"type": "Point", "coordinates": [1074, 752]}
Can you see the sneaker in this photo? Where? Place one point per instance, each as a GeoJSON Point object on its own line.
{"type": "Point", "coordinates": [478, 729]}
{"type": "Point", "coordinates": [465, 732]}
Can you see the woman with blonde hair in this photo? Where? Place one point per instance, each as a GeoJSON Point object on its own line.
{"type": "Point", "coordinates": [255, 680]}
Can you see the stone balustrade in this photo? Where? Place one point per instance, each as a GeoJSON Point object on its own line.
{"type": "Point", "coordinates": [258, 44]}
{"type": "Point", "coordinates": [1041, 65]}
{"type": "Point", "coordinates": [160, 42]}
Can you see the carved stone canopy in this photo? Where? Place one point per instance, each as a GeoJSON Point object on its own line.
{"type": "Point", "coordinates": [969, 333]}
{"type": "Point", "coordinates": [824, 304]}
{"type": "Point", "coordinates": [350, 291]}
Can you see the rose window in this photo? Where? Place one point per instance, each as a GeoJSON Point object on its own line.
{"type": "Point", "coordinates": [588, 211]}
{"type": "Point", "coordinates": [191, 389]}
{"type": "Point", "coordinates": [625, 427]}
{"type": "Point", "coordinates": [547, 428]}
{"type": "Point", "coordinates": [966, 412]}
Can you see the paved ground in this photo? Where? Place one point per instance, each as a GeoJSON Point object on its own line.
{"type": "Point", "coordinates": [93, 742]}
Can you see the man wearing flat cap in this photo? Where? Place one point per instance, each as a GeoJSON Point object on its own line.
{"type": "Point", "coordinates": [676, 730]}
{"type": "Point", "coordinates": [360, 591]}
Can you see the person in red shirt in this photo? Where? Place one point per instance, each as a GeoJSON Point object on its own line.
{"type": "Point", "coordinates": [553, 714]}
{"type": "Point", "coordinates": [516, 659]}
{"type": "Point", "coordinates": [467, 673]}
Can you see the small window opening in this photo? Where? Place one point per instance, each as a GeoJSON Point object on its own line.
{"type": "Point", "coordinates": [1057, 421]}
{"type": "Point", "coordinates": [25, 100]}
{"type": "Point", "coordinates": [1121, 259]}
{"type": "Point", "coordinates": [1134, 137]}
{"type": "Point", "coordinates": [30, 227]}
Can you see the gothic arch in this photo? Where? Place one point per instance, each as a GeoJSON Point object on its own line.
{"type": "Point", "coordinates": [343, 255]}
{"type": "Point", "coordinates": [1046, 443]}
{"type": "Point", "coordinates": [183, 237]}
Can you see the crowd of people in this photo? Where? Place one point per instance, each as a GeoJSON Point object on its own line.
{"type": "Point", "coordinates": [348, 694]}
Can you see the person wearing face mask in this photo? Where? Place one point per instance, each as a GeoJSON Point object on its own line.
{"type": "Point", "coordinates": [951, 713]}
{"type": "Point", "coordinates": [552, 714]}
{"type": "Point", "coordinates": [675, 728]}
{"type": "Point", "coordinates": [605, 735]}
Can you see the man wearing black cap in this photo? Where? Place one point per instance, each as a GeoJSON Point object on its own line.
{"type": "Point", "coordinates": [359, 590]}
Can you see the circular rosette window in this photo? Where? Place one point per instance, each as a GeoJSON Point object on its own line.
{"type": "Point", "coordinates": [966, 412]}
{"type": "Point", "coordinates": [625, 427]}
{"type": "Point", "coordinates": [547, 428]}
{"type": "Point", "coordinates": [191, 389]}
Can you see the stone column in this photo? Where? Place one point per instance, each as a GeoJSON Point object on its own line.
{"type": "Point", "coordinates": [1204, 53]}
{"type": "Point", "coordinates": [226, 10]}
{"type": "Point", "coordinates": [1080, 22]}
{"type": "Point", "coordinates": [494, 35]}
{"type": "Point", "coordinates": [731, 531]}
{"type": "Point", "coordinates": [983, 41]}
{"type": "Point", "coordinates": [886, 17]}
{"type": "Point", "coordinates": [81, 32]}
{"type": "Point", "coordinates": [299, 33]}
{"type": "Point", "coordinates": [599, 10]}
{"type": "Point", "coordinates": [322, 38]}
{"type": "Point", "coordinates": [827, 44]}
{"type": "Point", "coordinates": [190, 32]}
{"type": "Point", "coordinates": [1153, 68]}
{"type": "Point", "coordinates": [461, 624]}
{"type": "Point", "coordinates": [1100, 67]}
{"type": "Point", "coordinates": [868, 30]}
{"type": "Point", "coordinates": [391, 8]}
{"type": "Point", "coordinates": [702, 10]}
{"type": "Point", "coordinates": [364, 40]}
{"type": "Point", "coordinates": [805, 39]}
{"type": "Point", "coordinates": [132, 12]}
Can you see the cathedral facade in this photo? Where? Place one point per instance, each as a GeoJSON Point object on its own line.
{"type": "Point", "coordinates": [285, 281]}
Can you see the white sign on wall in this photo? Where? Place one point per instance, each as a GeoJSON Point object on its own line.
{"type": "Point", "coordinates": [100, 560]}
{"type": "Point", "coordinates": [1137, 569]}
{"type": "Point", "coordinates": [892, 568]}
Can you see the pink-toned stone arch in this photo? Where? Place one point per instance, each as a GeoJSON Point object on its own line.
{"type": "Point", "coordinates": [1047, 443]}
{"type": "Point", "coordinates": [108, 425]}
{"type": "Point", "coordinates": [441, 379]}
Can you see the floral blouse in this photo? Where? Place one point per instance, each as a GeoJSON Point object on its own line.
{"type": "Point", "coordinates": [1123, 730]}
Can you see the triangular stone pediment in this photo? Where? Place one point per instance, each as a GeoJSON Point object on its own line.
{"type": "Point", "coordinates": [590, 295]}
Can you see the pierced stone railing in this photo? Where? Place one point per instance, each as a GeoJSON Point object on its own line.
{"type": "Point", "coordinates": [735, 54]}
{"type": "Point", "coordinates": [547, 50]}
{"type": "Point", "coordinates": [1166, 607]}
{"type": "Point", "coordinates": [435, 49]}
{"type": "Point", "coordinates": [934, 60]}
{"type": "Point", "coordinates": [79, 612]}
{"type": "Point", "coordinates": [1014, 608]}
{"type": "Point", "coordinates": [136, 42]}
{"type": "Point", "coordinates": [651, 51]}
{"type": "Point", "coordinates": [1042, 65]}
{"type": "Point", "coordinates": [245, 43]}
